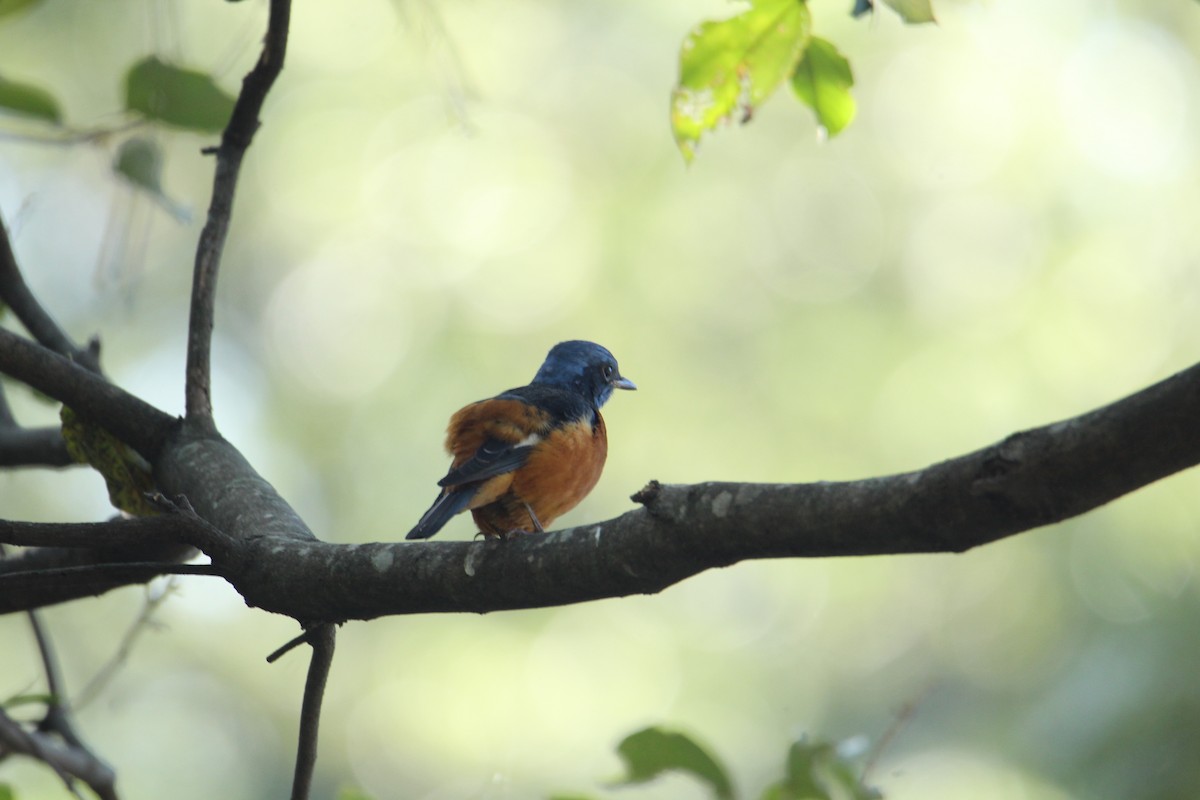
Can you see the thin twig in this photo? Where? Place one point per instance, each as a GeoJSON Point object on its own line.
{"type": "Point", "coordinates": [16, 295]}
{"type": "Point", "coordinates": [238, 134]}
{"type": "Point", "coordinates": [58, 716]}
{"type": "Point", "coordinates": [145, 619]}
{"type": "Point", "coordinates": [58, 720]}
{"type": "Point", "coordinates": [23, 582]}
{"type": "Point", "coordinates": [323, 639]}
{"type": "Point", "coordinates": [287, 647]}
{"type": "Point", "coordinates": [67, 137]}
{"type": "Point", "coordinates": [903, 716]}
{"type": "Point", "coordinates": [68, 761]}
{"type": "Point", "coordinates": [132, 571]}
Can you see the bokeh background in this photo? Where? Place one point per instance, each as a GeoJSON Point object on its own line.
{"type": "Point", "coordinates": [1007, 235]}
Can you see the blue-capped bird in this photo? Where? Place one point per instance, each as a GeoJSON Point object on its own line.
{"type": "Point", "coordinates": [528, 455]}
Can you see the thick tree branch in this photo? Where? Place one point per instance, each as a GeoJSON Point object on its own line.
{"type": "Point", "coordinates": [237, 137]}
{"type": "Point", "coordinates": [1027, 480]}
{"type": "Point", "coordinates": [132, 420]}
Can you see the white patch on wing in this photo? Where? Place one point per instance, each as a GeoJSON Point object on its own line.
{"type": "Point", "coordinates": [529, 441]}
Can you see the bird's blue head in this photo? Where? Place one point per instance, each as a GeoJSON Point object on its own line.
{"type": "Point", "coordinates": [584, 367]}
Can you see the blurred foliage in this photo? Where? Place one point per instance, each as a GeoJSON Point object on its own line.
{"type": "Point", "coordinates": [439, 192]}
{"type": "Point", "coordinates": [812, 770]}
{"type": "Point", "coordinates": [176, 96]}
{"type": "Point", "coordinates": [12, 6]}
{"type": "Point", "coordinates": [139, 160]}
{"type": "Point", "coordinates": [29, 100]}
{"type": "Point", "coordinates": [819, 771]}
{"type": "Point", "coordinates": [651, 752]}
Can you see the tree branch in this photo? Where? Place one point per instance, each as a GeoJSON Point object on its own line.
{"type": "Point", "coordinates": [238, 134]}
{"type": "Point", "coordinates": [33, 447]}
{"type": "Point", "coordinates": [27, 447]}
{"type": "Point", "coordinates": [120, 532]}
{"type": "Point", "coordinates": [132, 420]}
{"type": "Point", "coordinates": [48, 575]}
{"type": "Point", "coordinates": [322, 638]}
{"type": "Point", "coordinates": [1027, 480]}
{"type": "Point", "coordinates": [15, 293]}
{"type": "Point", "coordinates": [68, 760]}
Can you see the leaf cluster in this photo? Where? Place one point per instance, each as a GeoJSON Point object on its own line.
{"type": "Point", "coordinates": [729, 67]}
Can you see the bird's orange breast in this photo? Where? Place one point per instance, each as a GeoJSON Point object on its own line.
{"type": "Point", "coordinates": [562, 469]}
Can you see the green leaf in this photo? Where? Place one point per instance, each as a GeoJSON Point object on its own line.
{"type": "Point", "coordinates": [6, 792]}
{"type": "Point", "coordinates": [735, 64]}
{"type": "Point", "coordinates": [13, 6]}
{"type": "Point", "coordinates": [29, 100]}
{"type": "Point", "coordinates": [175, 96]}
{"type": "Point", "coordinates": [353, 793]}
{"type": "Point", "coordinates": [817, 771]}
{"type": "Point", "coordinates": [913, 12]}
{"type": "Point", "coordinates": [822, 81]}
{"type": "Point", "coordinates": [651, 752]}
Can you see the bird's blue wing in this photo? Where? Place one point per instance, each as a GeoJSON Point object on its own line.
{"type": "Point", "coordinates": [491, 459]}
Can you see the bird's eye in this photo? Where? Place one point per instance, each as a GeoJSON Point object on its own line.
{"type": "Point", "coordinates": [608, 371]}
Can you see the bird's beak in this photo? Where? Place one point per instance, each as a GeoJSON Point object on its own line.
{"type": "Point", "coordinates": [623, 383]}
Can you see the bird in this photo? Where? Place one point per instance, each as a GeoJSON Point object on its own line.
{"type": "Point", "coordinates": [528, 455]}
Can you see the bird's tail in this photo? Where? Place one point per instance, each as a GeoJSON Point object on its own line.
{"type": "Point", "coordinates": [448, 503]}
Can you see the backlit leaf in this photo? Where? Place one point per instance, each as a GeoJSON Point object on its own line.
{"type": "Point", "coordinates": [913, 11]}
{"type": "Point", "coordinates": [176, 96]}
{"type": "Point", "coordinates": [822, 81]}
{"type": "Point", "coordinates": [734, 65]}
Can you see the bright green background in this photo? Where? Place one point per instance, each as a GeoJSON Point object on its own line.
{"type": "Point", "coordinates": [1006, 235]}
